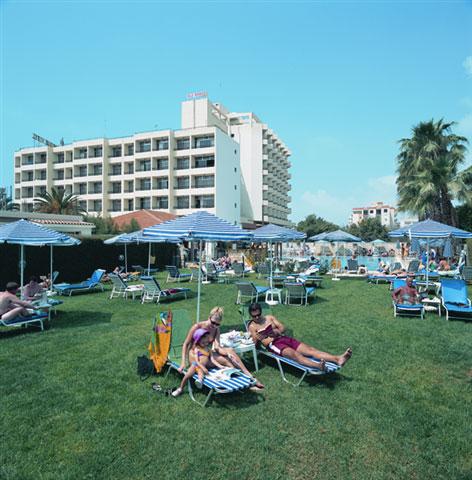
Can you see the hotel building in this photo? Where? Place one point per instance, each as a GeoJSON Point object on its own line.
{"type": "Point", "coordinates": [229, 164]}
{"type": "Point", "coordinates": [385, 213]}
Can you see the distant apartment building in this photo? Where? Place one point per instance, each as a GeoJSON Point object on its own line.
{"type": "Point", "coordinates": [229, 164]}
{"type": "Point", "coordinates": [385, 213]}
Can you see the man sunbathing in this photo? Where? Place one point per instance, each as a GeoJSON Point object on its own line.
{"type": "Point", "coordinates": [270, 332]}
{"type": "Point", "coordinates": [11, 306]}
{"type": "Point", "coordinates": [406, 295]}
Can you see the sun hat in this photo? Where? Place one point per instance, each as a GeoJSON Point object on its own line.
{"type": "Point", "coordinates": [198, 334]}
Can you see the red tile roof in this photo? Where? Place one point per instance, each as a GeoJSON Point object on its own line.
{"type": "Point", "coordinates": [145, 218]}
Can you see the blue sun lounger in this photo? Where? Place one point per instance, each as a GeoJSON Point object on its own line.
{"type": "Point", "coordinates": [400, 309]}
{"type": "Point", "coordinates": [455, 300]}
{"type": "Point", "coordinates": [181, 324]}
{"type": "Point", "coordinates": [20, 321]}
{"type": "Point", "coordinates": [85, 286]}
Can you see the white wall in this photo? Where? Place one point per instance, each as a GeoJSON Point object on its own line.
{"type": "Point", "coordinates": [227, 176]}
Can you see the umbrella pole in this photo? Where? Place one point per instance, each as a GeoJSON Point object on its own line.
{"type": "Point", "coordinates": [149, 259]}
{"type": "Point", "coordinates": [126, 258]}
{"type": "Point", "coordinates": [22, 265]}
{"type": "Point", "coordinates": [271, 282]}
{"type": "Point", "coordinates": [199, 280]}
{"type": "Point", "coordinates": [427, 262]}
{"type": "Point", "coordinates": [50, 268]}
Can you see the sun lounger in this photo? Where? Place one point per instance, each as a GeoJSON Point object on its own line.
{"type": "Point", "coordinates": [283, 362]}
{"type": "Point", "coordinates": [88, 285]}
{"type": "Point", "coordinates": [37, 317]}
{"type": "Point", "coordinates": [152, 291]}
{"type": "Point", "coordinates": [122, 289]}
{"type": "Point", "coordinates": [174, 275]}
{"type": "Point", "coordinates": [455, 300]}
{"type": "Point", "coordinates": [247, 290]}
{"type": "Point", "coordinates": [181, 324]}
{"type": "Point", "coordinates": [400, 309]}
{"type": "Point", "coordinates": [381, 278]}
{"type": "Point", "coordinates": [352, 266]}
{"type": "Point", "coordinates": [413, 266]}
{"type": "Point", "coordinates": [467, 274]}
{"type": "Point", "coordinates": [299, 292]}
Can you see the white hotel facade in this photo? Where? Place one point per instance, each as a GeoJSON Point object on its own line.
{"type": "Point", "coordinates": [229, 164]}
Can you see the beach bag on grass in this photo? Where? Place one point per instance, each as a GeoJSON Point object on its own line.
{"type": "Point", "coordinates": [145, 367]}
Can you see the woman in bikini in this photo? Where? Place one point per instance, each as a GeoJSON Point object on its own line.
{"type": "Point", "coordinates": [225, 356]}
{"type": "Point", "coordinates": [270, 332]}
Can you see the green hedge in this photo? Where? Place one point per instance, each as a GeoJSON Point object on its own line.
{"type": "Point", "coordinates": [77, 263]}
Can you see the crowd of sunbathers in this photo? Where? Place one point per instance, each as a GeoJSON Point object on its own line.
{"type": "Point", "coordinates": [203, 349]}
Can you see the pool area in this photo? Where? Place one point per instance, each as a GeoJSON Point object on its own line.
{"type": "Point", "coordinates": [370, 262]}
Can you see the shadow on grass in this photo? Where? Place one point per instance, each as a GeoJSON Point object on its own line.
{"type": "Point", "coordinates": [80, 318]}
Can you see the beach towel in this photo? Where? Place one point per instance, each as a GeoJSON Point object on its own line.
{"type": "Point", "coordinates": [159, 344]}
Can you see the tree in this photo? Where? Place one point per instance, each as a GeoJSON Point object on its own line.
{"type": "Point", "coordinates": [103, 226]}
{"type": "Point", "coordinates": [429, 179]}
{"type": "Point", "coordinates": [58, 202]}
{"type": "Point", "coordinates": [369, 229]}
{"type": "Point", "coordinates": [464, 217]}
{"type": "Point", "coordinates": [312, 225]}
{"type": "Point", "coordinates": [132, 226]}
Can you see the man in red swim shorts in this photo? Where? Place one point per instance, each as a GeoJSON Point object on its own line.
{"type": "Point", "coordinates": [270, 332]}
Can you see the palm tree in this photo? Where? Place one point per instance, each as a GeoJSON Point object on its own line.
{"type": "Point", "coordinates": [429, 179]}
{"type": "Point", "coordinates": [58, 202]}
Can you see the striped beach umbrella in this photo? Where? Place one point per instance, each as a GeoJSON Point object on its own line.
{"type": "Point", "coordinates": [23, 232]}
{"type": "Point", "coordinates": [199, 226]}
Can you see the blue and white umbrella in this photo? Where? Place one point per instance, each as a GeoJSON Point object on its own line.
{"type": "Point", "coordinates": [23, 232]}
{"type": "Point", "coordinates": [122, 239]}
{"type": "Point", "coordinates": [199, 226]}
{"type": "Point", "coordinates": [429, 230]}
{"type": "Point", "coordinates": [271, 233]}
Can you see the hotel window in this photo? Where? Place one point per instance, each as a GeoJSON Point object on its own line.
{"type": "Point", "coordinates": [144, 203]}
{"type": "Point", "coordinates": [116, 187]}
{"type": "Point", "coordinates": [183, 144]}
{"type": "Point", "coordinates": [144, 146]}
{"type": "Point", "coordinates": [162, 202]}
{"type": "Point", "coordinates": [42, 190]}
{"type": "Point", "coordinates": [130, 169]}
{"type": "Point", "coordinates": [162, 144]}
{"type": "Point", "coordinates": [42, 158]}
{"type": "Point", "coordinates": [96, 170]}
{"type": "Point", "coordinates": [162, 184]}
{"type": "Point", "coordinates": [96, 187]}
{"type": "Point", "coordinates": [130, 150]}
{"type": "Point", "coordinates": [144, 166]}
{"type": "Point", "coordinates": [182, 202]}
{"type": "Point", "coordinates": [204, 142]}
{"type": "Point", "coordinates": [42, 175]}
{"type": "Point", "coordinates": [97, 151]}
{"type": "Point", "coordinates": [82, 188]}
{"type": "Point", "coordinates": [204, 161]}
{"type": "Point", "coordinates": [182, 183]}
{"type": "Point", "coordinates": [129, 186]}
{"type": "Point", "coordinates": [82, 205]}
{"type": "Point", "coordinates": [145, 184]}
{"type": "Point", "coordinates": [116, 152]}
{"type": "Point", "coordinates": [182, 163]}
{"type": "Point", "coordinates": [82, 153]}
{"type": "Point", "coordinates": [60, 175]}
{"type": "Point", "coordinates": [205, 201]}
{"type": "Point", "coordinates": [115, 170]}
{"type": "Point", "coordinates": [204, 181]}
{"type": "Point", "coordinates": [116, 205]}
{"type": "Point", "coordinates": [162, 163]}
{"type": "Point", "coordinates": [60, 158]}
{"type": "Point", "coordinates": [130, 205]}
{"type": "Point", "coordinates": [97, 206]}
{"type": "Point", "coordinates": [82, 172]}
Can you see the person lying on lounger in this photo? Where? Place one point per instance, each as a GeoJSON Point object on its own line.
{"type": "Point", "coordinates": [406, 295]}
{"type": "Point", "coordinates": [225, 356]}
{"type": "Point", "coordinates": [32, 290]}
{"type": "Point", "coordinates": [201, 357]}
{"type": "Point", "coordinates": [270, 332]}
{"type": "Point", "coordinates": [11, 306]}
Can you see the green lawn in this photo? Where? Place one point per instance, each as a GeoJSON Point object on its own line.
{"type": "Point", "coordinates": [74, 408]}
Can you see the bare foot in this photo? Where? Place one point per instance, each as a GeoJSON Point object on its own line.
{"type": "Point", "coordinates": [177, 392]}
{"type": "Point", "coordinates": [345, 357]}
{"type": "Point", "coordinates": [258, 384]}
{"type": "Point", "coordinates": [321, 365]}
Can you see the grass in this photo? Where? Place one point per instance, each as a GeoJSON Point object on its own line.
{"type": "Point", "coordinates": [74, 408]}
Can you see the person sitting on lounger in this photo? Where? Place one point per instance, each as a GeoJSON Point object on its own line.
{"type": "Point", "coordinates": [270, 332]}
{"type": "Point", "coordinates": [201, 357]}
{"type": "Point", "coordinates": [225, 356]}
{"type": "Point", "coordinates": [32, 290]}
{"type": "Point", "coordinates": [443, 265]}
{"type": "Point", "coordinates": [11, 306]}
{"type": "Point", "coordinates": [406, 295]}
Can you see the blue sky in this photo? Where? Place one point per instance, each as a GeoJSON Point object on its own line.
{"type": "Point", "coordinates": [340, 82]}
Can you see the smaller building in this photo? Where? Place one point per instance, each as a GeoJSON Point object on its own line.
{"type": "Point", "coordinates": [69, 224]}
{"type": "Point", "coordinates": [385, 213]}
